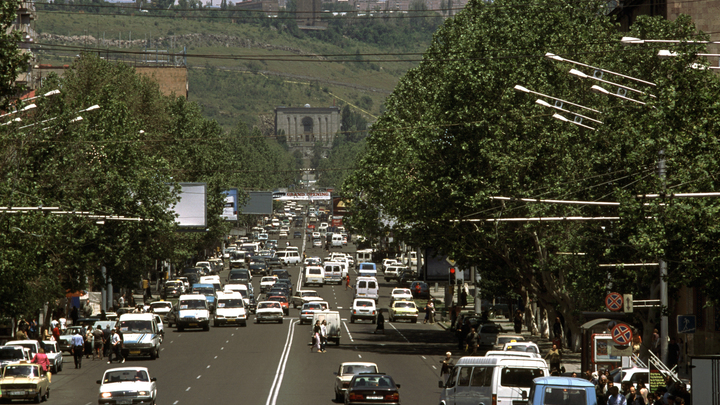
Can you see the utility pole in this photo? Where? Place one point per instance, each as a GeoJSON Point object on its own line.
{"type": "Point", "coordinates": [475, 277]}
{"type": "Point", "coordinates": [663, 276]}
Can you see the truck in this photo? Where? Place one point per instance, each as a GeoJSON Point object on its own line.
{"type": "Point", "coordinates": [333, 324]}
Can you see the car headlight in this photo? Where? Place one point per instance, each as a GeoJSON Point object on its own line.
{"type": "Point", "coordinates": [144, 393]}
{"type": "Point", "coordinates": [106, 395]}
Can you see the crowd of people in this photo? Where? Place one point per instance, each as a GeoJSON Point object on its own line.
{"type": "Point", "coordinates": [607, 391]}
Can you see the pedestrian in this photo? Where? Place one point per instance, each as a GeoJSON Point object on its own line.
{"type": "Point", "coordinates": [146, 288]}
{"type": "Point", "coordinates": [447, 364]}
{"type": "Point", "coordinates": [78, 347]}
{"type": "Point", "coordinates": [98, 341]}
{"type": "Point", "coordinates": [89, 340]}
{"type": "Point", "coordinates": [323, 335]}
{"type": "Point", "coordinates": [56, 331]}
{"type": "Point", "coordinates": [554, 356]}
{"type": "Point", "coordinates": [471, 342]}
{"type": "Point", "coordinates": [517, 321]}
{"type": "Point", "coordinates": [462, 333]}
{"type": "Point", "coordinates": [429, 310]}
{"type": "Point", "coordinates": [642, 399]}
{"type": "Point", "coordinates": [601, 389]}
{"type": "Point", "coordinates": [655, 342]}
{"type": "Point", "coordinates": [431, 304]}
{"type": "Point", "coordinates": [380, 323]}
{"type": "Point", "coordinates": [42, 360]}
{"type": "Point", "coordinates": [316, 337]}
{"type": "Point", "coordinates": [107, 341]}
{"type": "Point", "coordinates": [630, 395]}
{"type": "Point", "coordinates": [116, 347]}
{"type": "Point", "coordinates": [121, 301]}
{"type": "Point", "coordinates": [33, 328]}
{"type": "Point", "coordinates": [615, 397]}
{"type": "Point", "coordinates": [21, 335]}
{"type": "Point", "coordinates": [347, 282]}
{"type": "Point", "coordinates": [673, 353]}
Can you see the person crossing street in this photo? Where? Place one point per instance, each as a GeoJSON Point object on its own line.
{"type": "Point", "coordinates": [78, 348]}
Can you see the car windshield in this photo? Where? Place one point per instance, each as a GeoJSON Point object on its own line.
{"type": "Point", "coordinates": [125, 376]}
{"type": "Point", "coordinates": [268, 279]}
{"type": "Point", "coordinates": [204, 290]}
{"type": "Point", "coordinates": [523, 348]}
{"type": "Point", "coordinates": [358, 368]}
{"type": "Point", "coordinates": [309, 294]}
{"type": "Point", "coordinates": [238, 276]}
{"type": "Point", "coordinates": [173, 284]}
{"type": "Point", "coordinates": [313, 306]}
{"type": "Point", "coordinates": [508, 339]}
{"type": "Point", "coordinates": [402, 292]}
{"type": "Point", "coordinates": [160, 305]}
{"type": "Point", "coordinates": [234, 303]}
{"type": "Point", "coordinates": [278, 298]}
{"type": "Point", "coordinates": [519, 377]}
{"type": "Point", "coordinates": [192, 304]}
{"type": "Point", "coordinates": [10, 354]}
{"type": "Point", "coordinates": [365, 304]}
{"type": "Point", "coordinates": [565, 396]}
{"type": "Point", "coordinates": [264, 305]}
{"type": "Point", "coordinates": [49, 348]}
{"type": "Point", "coordinates": [404, 305]}
{"type": "Point", "coordinates": [21, 370]}
{"type": "Point", "coordinates": [135, 326]}
{"type": "Point", "coordinates": [314, 271]}
{"type": "Point", "coordinates": [374, 382]}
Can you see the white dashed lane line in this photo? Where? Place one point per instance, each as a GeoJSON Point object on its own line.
{"type": "Point", "coordinates": [198, 377]}
{"type": "Point", "coordinates": [348, 332]}
{"type": "Point", "coordinates": [434, 368]}
{"type": "Point", "coordinates": [208, 366]}
{"type": "Point", "coordinates": [188, 389]}
{"type": "Point", "coordinates": [175, 402]}
{"type": "Point", "coordinates": [396, 329]}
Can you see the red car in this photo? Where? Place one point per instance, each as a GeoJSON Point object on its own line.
{"type": "Point", "coordinates": [283, 302]}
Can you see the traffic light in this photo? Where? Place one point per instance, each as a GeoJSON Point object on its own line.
{"type": "Point", "coordinates": [452, 275]}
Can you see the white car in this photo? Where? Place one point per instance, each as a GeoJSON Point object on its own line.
{"type": "Point", "coordinates": [401, 294]}
{"type": "Point", "coordinates": [302, 297]}
{"type": "Point", "coordinates": [308, 310]}
{"type": "Point", "coordinates": [267, 282]}
{"type": "Point", "coordinates": [393, 272]}
{"type": "Point", "coordinates": [316, 235]}
{"type": "Point", "coordinates": [389, 262]}
{"type": "Point", "coordinates": [127, 385]}
{"type": "Point", "coordinates": [269, 311]}
{"type": "Point", "coordinates": [363, 309]}
{"type": "Point", "coordinates": [527, 347]}
{"type": "Point", "coordinates": [346, 372]}
{"type": "Point", "coordinates": [317, 242]}
{"type": "Point", "coordinates": [52, 350]}
{"type": "Point", "coordinates": [161, 307]}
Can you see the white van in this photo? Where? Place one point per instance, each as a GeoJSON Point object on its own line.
{"type": "Point", "coordinates": [230, 309]}
{"type": "Point", "coordinates": [491, 380]}
{"type": "Point", "coordinates": [367, 287]}
{"type": "Point", "coordinates": [337, 240]}
{"type": "Point", "coordinates": [288, 256]}
{"type": "Point", "coordinates": [364, 256]}
{"type": "Point", "coordinates": [333, 272]}
{"type": "Point", "coordinates": [141, 335]}
{"type": "Point", "coordinates": [323, 227]}
{"type": "Point", "coordinates": [193, 312]}
{"type": "Point", "coordinates": [333, 324]}
{"type": "Point", "coordinates": [314, 275]}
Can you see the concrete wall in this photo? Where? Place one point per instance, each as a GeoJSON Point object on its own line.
{"type": "Point", "coordinates": [325, 124]}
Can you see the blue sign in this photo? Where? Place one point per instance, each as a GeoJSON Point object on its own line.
{"type": "Point", "coordinates": [230, 210]}
{"type": "Point", "coordinates": [686, 323]}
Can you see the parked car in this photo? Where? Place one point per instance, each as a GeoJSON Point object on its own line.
{"type": "Point", "coordinates": [132, 385]}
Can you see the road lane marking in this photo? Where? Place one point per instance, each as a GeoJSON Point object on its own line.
{"type": "Point", "coordinates": [216, 357]}
{"type": "Point", "coordinates": [423, 357]}
{"type": "Point", "coordinates": [162, 349]}
{"type": "Point", "coordinates": [188, 389]}
{"type": "Point", "coordinates": [348, 332]}
{"type": "Point", "coordinates": [171, 341]}
{"type": "Point", "coordinates": [208, 366]}
{"type": "Point", "coordinates": [227, 341]}
{"type": "Point", "coordinates": [434, 368]}
{"type": "Point", "coordinates": [222, 348]}
{"type": "Point", "coordinates": [280, 373]}
{"type": "Point", "coordinates": [175, 402]}
{"type": "Point", "coordinates": [360, 356]}
{"type": "Point", "coordinates": [198, 377]}
{"type": "Point", "coordinates": [339, 307]}
{"type": "Point", "coordinates": [396, 329]}
{"type": "Point", "coordinates": [232, 334]}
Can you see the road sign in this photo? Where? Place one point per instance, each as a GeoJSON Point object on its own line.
{"type": "Point", "coordinates": [686, 323]}
{"type": "Point", "coordinates": [627, 303]}
{"type": "Point", "coordinates": [614, 301]}
{"type": "Point", "coordinates": [621, 334]}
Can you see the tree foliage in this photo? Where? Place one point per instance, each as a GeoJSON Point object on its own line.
{"type": "Point", "coordinates": [456, 133]}
{"type": "Point", "coordinates": [12, 61]}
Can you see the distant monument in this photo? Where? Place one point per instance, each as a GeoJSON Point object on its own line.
{"type": "Point", "coordinates": [305, 126]}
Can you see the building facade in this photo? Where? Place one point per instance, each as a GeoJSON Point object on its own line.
{"type": "Point", "coordinates": [306, 126]}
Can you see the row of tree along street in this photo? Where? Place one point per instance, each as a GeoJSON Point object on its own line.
{"type": "Point", "coordinates": [457, 133]}
{"type": "Point", "coordinates": [125, 157]}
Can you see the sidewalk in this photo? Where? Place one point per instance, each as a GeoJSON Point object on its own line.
{"type": "Point", "coordinates": [570, 360]}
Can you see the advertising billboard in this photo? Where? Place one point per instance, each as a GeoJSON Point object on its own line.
{"type": "Point", "coordinates": [231, 205]}
{"type": "Point", "coordinates": [301, 196]}
{"type": "Point", "coordinates": [191, 210]}
{"type": "Point", "coordinates": [258, 203]}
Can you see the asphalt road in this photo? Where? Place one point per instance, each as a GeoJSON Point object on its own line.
{"type": "Point", "coordinates": [272, 363]}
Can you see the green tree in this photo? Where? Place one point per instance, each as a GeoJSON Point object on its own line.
{"type": "Point", "coordinates": [455, 133]}
{"type": "Point", "coordinates": [12, 60]}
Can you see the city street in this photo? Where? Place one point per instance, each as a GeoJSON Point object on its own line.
{"type": "Point", "coordinates": [273, 363]}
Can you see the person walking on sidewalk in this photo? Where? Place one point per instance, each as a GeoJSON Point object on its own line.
{"type": "Point", "coordinates": [472, 342]}
{"type": "Point", "coordinates": [517, 321]}
{"type": "Point", "coordinates": [554, 357]}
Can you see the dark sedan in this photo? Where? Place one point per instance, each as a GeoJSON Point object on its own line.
{"type": "Point", "coordinates": [273, 262]}
{"type": "Point", "coordinates": [258, 269]}
{"type": "Point", "coordinates": [369, 388]}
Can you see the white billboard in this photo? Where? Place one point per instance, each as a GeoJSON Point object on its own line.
{"type": "Point", "coordinates": [191, 210]}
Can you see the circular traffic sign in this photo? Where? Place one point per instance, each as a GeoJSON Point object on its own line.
{"type": "Point", "coordinates": [614, 301]}
{"type": "Point", "coordinates": [621, 334]}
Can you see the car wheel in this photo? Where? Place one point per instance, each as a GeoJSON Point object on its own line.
{"type": "Point", "coordinates": [215, 324]}
{"type": "Point", "coordinates": [206, 327]}
{"type": "Point", "coordinates": [47, 394]}
{"type": "Point", "coordinates": [352, 320]}
{"type": "Point", "coordinates": [338, 397]}
{"type": "Point", "coordinates": [153, 354]}
{"type": "Point", "coordinates": [414, 320]}
{"type": "Point", "coordinates": [38, 398]}
{"type": "Point", "coordinates": [180, 329]}
{"type": "Point", "coordinates": [374, 320]}
{"type": "Point", "coordinates": [280, 321]}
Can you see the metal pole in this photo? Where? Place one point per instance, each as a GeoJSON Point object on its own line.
{"type": "Point", "coordinates": [663, 278]}
{"type": "Point", "coordinates": [475, 277]}
{"type": "Point", "coordinates": [103, 302]}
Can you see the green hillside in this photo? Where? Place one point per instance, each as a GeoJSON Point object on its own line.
{"type": "Point", "coordinates": [242, 71]}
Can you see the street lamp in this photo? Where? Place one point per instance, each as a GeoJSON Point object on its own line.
{"type": "Point", "coordinates": [564, 119]}
{"type": "Point", "coordinates": [632, 40]}
{"type": "Point", "coordinates": [667, 54]}
{"type": "Point", "coordinates": [596, 69]}
{"type": "Point", "coordinates": [600, 90]}
{"type": "Point", "coordinates": [559, 106]}
{"type": "Point", "coordinates": [620, 87]}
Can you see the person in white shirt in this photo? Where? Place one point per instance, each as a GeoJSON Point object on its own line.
{"type": "Point", "coordinates": [323, 335]}
{"type": "Point", "coordinates": [116, 347]}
